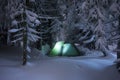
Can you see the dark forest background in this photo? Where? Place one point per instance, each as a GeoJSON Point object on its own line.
{"type": "Point", "coordinates": [91, 24]}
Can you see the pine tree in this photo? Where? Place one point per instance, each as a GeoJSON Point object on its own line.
{"type": "Point", "coordinates": [24, 28]}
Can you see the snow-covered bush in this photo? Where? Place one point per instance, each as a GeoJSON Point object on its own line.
{"type": "Point", "coordinates": [45, 49]}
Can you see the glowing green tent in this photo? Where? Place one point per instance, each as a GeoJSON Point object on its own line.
{"type": "Point", "coordinates": [70, 50]}
{"type": "Point", "coordinates": [57, 50]}
{"type": "Point", "coordinates": [67, 49]}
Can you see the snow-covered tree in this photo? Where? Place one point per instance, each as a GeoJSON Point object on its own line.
{"type": "Point", "coordinates": [94, 24]}
{"type": "Point", "coordinates": [24, 23]}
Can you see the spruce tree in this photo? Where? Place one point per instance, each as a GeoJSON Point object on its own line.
{"type": "Point", "coordinates": [24, 28]}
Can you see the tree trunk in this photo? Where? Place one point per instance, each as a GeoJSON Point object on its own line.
{"type": "Point", "coordinates": [24, 42]}
{"type": "Point", "coordinates": [24, 47]}
{"type": "Point", "coordinates": [25, 35]}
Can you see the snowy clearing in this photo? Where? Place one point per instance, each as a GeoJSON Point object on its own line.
{"type": "Point", "coordinates": [59, 68]}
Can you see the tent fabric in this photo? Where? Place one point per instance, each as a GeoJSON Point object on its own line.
{"type": "Point", "coordinates": [67, 49]}
{"type": "Point", "coordinates": [57, 50]}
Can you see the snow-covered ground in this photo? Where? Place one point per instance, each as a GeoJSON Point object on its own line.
{"type": "Point", "coordinates": [58, 68]}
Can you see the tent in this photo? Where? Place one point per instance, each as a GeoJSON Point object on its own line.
{"type": "Point", "coordinates": [64, 49]}
{"type": "Point", "coordinates": [70, 50]}
{"type": "Point", "coordinates": [57, 50]}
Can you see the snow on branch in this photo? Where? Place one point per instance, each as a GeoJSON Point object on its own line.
{"type": "Point", "coordinates": [31, 13]}
{"type": "Point", "coordinates": [47, 17]}
{"type": "Point", "coordinates": [18, 39]}
{"type": "Point", "coordinates": [84, 37]}
{"type": "Point", "coordinates": [32, 30]}
{"type": "Point", "coordinates": [15, 30]}
{"type": "Point", "coordinates": [90, 40]}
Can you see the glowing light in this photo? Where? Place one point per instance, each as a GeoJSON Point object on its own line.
{"type": "Point", "coordinates": [61, 49]}
{"type": "Point", "coordinates": [57, 50]}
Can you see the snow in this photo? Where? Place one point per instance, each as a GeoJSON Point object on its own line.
{"type": "Point", "coordinates": [32, 30]}
{"type": "Point", "coordinates": [19, 39]}
{"type": "Point", "coordinates": [100, 14]}
{"type": "Point", "coordinates": [114, 7]}
{"type": "Point", "coordinates": [14, 23]}
{"type": "Point", "coordinates": [37, 22]}
{"type": "Point", "coordinates": [13, 30]}
{"type": "Point", "coordinates": [33, 37]}
{"type": "Point", "coordinates": [90, 40]}
{"type": "Point", "coordinates": [58, 68]}
{"type": "Point", "coordinates": [31, 13]}
{"type": "Point", "coordinates": [28, 49]}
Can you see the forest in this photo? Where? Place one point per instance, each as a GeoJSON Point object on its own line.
{"type": "Point", "coordinates": [79, 37]}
